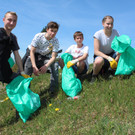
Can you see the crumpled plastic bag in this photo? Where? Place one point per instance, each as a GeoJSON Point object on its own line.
{"type": "Point", "coordinates": [24, 100]}
{"type": "Point", "coordinates": [126, 63]}
{"type": "Point", "coordinates": [70, 84]}
{"type": "Point", "coordinates": [11, 62]}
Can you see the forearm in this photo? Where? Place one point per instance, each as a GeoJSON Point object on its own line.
{"type": "Point", "coordinates": [32, 56]}
{"type": "Point", "coordinates": [18, 61]}
{"type": "Point", "coordinates": [50, 61]}
{"type": "Point", "coordinates": [84, 57]}
{"type": "Point", "coordinates": [98, 53]}
{"type": "Point", "coordinates": [19, 64]}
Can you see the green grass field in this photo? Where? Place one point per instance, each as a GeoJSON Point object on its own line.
{"type": "Point", "coordinates": [106, 107]}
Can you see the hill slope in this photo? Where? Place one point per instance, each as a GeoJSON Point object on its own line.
{"type": "Point", "coordinates": [105, 107]}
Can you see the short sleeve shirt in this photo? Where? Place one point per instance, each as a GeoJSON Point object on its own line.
{"type": "Point", "coordinates": [7, 45]}
{"type": "Point", "coordinates": [44, 46]}
{"type": "Point", "coordinates": [78, 52]}
{"type": "Point", "coordinates": [105, 42]}
{"type": "Point", "coordinates": [6, 40]}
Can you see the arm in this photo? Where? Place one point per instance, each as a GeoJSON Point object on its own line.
{"type": "Point", "coordinates": [18, 60]}
{"type": "Point", "coordinates": [73, 62]}
{"type": "Point", "coordinates": [96, 49]}
{"type": "Point", "coordinates": [118, 56]}
{"type": "Point", "coordinates": [84, 57]}
{"type": "Point", "coordinates": [54, 55]}
{"type": "Point", "coordinates": [32, 56]}
{"type": "Point", "coordinates": [44, 68]}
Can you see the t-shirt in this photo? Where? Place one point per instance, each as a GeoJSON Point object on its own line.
{"type": "Point", "coordinates": [7, 45]}
{"type": "Point", "coordinates": [105, 42]}
{"type": "Point", "coordinates": [10, 41]}
{"type": "Point", "coordinates": [78, 52]}
{"type": "Point", "coordinates": [44, 46]}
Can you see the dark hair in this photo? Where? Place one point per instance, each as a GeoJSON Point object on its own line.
{"type": "Point", "coordinates": [52, 25]}
{"type": "Point", "coordinates": [78, 33]}
{"type": "Point", "coordinates": [107, 17]}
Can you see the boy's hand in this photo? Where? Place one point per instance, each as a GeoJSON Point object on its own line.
{"type": "Point", "coordinates": [25, 75]}
{"type": "Point", "coordinates": [35, 71]}
{"type": "Point", "coordinates": [43, 69]}
{"type": "Point", "coordinates": [71, 63]}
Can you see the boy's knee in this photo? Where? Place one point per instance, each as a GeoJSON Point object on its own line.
{"type": "Point", "coordinates": [81, 64]}
{"type": "Point", "coordinates": [61, 62]}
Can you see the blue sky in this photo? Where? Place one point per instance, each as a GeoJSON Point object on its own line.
{"type": "Point", "coordinates": [71, 15]}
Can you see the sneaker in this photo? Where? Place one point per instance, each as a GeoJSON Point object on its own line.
{"type": "Point", "coordinates": [17, 115]}
{"type": "Point", "coordinates": [93, 79]}
{"type": "Point", "coordinates": [71, 98]}
{"type": "Point", "coordinates": [51, 93]}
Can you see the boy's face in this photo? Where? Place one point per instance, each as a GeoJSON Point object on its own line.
{"type": "Point", "coordinates": [9, 21]}
{"type": "Point", "coordinates": [51, 32]}
{"type": "Point", "coordinates": [79, 39]}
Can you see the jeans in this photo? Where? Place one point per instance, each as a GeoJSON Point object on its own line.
{"type": "Point", "coordinates": [53, 70]}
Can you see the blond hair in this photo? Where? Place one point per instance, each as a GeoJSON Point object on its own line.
{"type": "Point", "coordinates": [10, 12]}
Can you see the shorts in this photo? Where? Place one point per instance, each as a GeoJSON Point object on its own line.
{"type": "Point", "coordinates": [76, 70]}
{"type": "Point", "coordinates": [106, 62]}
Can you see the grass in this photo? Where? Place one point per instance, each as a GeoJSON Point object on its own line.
{"type": "Point", "coordinates": [106, 107]}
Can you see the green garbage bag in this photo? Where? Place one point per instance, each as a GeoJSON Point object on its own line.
{"type": "Point", "coordinates": [24, 100]}
{"type": "Point", "coordinates": [70, 84]}
{"type": "Point", "coordinates": [11, 62]}
{"type": "Point", "coordinates": [126, 62]}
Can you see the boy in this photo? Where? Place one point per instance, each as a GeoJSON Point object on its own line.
{"type": "Point", "coordinates": [9, 44]}
{"type": "Point", "coordinates": [42, 54]}
{"type": "Point", "coordinates": [80, 54]}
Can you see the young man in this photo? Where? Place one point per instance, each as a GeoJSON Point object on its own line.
{"type": "Point", "coordinates": [8, 44]}
{"type": "Point", "coordinates": [42, 54]}
{"type": "Point", "coordinates": [80, 55]}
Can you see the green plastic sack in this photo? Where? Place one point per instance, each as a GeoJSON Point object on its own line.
{"type": "Point", "coordinates": [11, 62]}
{"type": "Point", "coordinates": [70, 84]}
{"type": "Point", "coordinates": [126, 62]}
{"type": "Point", "coordinates": [24, 100]}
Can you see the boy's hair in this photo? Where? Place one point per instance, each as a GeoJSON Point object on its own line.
{"type": "Point", "coordinates": [78, 33]}
{"type": "Point", "coordinates": [52, 25]}
{"type": "Point", "coordinates": [10, 12]}
{"type": "Point", "coordinates": [107, 17]}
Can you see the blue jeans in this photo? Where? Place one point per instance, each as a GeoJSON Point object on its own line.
{"type": "Point", "coordinates": [53, 70]}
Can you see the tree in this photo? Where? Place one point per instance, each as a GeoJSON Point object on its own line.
{"type": "Point", "coordinates": [44, 29]}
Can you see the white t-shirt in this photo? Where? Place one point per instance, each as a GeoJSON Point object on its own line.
{"type": "Point", "coordinates": [78, 52]}
{"type": "Point", "coordinates": [44, 46]}
{"type": "Point", "coordinates": [105, 42]}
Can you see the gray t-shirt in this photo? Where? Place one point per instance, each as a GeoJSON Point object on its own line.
{"type": "Point", "coordinates": [105, 42]}
{"type": "Point", "coordinates": [44, 46]}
